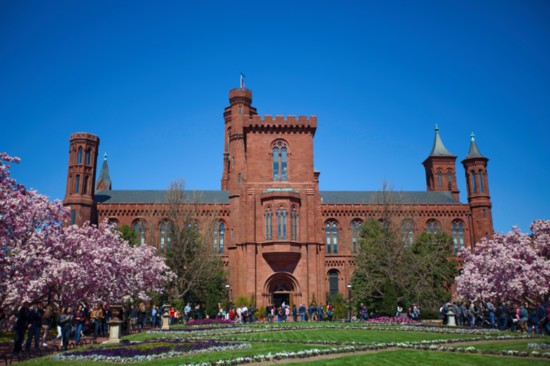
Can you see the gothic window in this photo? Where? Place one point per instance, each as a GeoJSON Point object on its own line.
{"type": "Point", "coordinates": [333, 282]}
{"type": "Point", "coordinates": [280, 161]}
{"type": "Point", "coordinates": [219, 233]}
{"type": "Point", "coordinates": [268, 224]}
{"type": "Point", "coordinates": [294, 223]}
{"type": "Point", "coordinates": [79, 156]}
{"type": "Point", "coordinates": [331, 230]}
{"type": "Point", "coordinates": [439, 178]}
{"type": "Point", "coordinates": [355, 234]}
{"type": "Point", "coordinates": [87, 157]}
{"type": "Point", "coordinates": [458, 235]}
{"type": "Point", "coordinates": [139, 229]}
{"type": "Point", "coordinates": [474, 184]}
{"type": "Point", "coordinates": [407, 232]}
{"type": "Point", "coordinates": [281, 223]}
{"type": "Point", "coordinates": [165, 236]}
{"type": "Point", "coordinates": [85, 186]}
{"type": "Point", "coordinates": [432, 226]}
{"type": "Point", "coordinates": [73, 217]}
{"type": "Point", "coordinates": [480, 181]}
{"type": "Point", "coordinates": [113, 222]}
{"type": "Point", "coordinates": [77, 184]}
{"type": "Point", "coordinates": [450, 178]}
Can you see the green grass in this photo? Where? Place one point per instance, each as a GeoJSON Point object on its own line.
{"type": "Point", "coordinates": [408, 358]}
{"type": "Point", "coordinates": [515, 345]}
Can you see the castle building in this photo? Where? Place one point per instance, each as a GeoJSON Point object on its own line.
{"type": "Point", "coordinates": [280, 238]}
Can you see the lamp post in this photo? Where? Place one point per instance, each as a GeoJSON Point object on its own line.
{"type": "Point", "coordinates": [227, 289]}
{"type": "Point", "coordinates": [349, 302]}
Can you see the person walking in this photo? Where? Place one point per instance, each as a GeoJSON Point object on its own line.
{"type": "Point", "coordinates": [35, 325]}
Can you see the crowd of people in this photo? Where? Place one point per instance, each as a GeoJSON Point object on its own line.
{"type": "Point", "coordinates": [524, 317]}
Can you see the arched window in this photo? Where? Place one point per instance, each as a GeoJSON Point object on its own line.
{"type": "Point", "coordinates": [458, 235]}
{"type": "Point", "coordinates": [355, 234]}
{"type": "Point", "coordinates": [79, 155]}
{"type": "Point", "coordinates": [268, 224]}
{"type": "Point", "coordinates": [113, 222]}
{"type": "Point", "coordinates": [439, 178]}
{"type": "Point", "coordinates": [331, 229]}
{"type": "Point", "coordinates": [139, 228]}
{"type": "Point", "coordinates": [432, 226]}
{"type": "Point", "coordinates": [474, 184]}
{"type": "Point", "coordinates": [333, 282]}
{"type": "Point", "coordinates": [450, 178]}
{"type": "Point", "coordinates": [480, 174]}
{"type": "Point", "coordinates": [165, 236]}
{"type": "Point", "coordinates": [281, 224]}
{"type": "Point", "coordinates": [407, 232]}
{"type": "Point", "coordinates": [77, 184]}
{"type": "Point", "coordinates": [219, 233]}
{"type": "Point", "coordinates": [85, 186]}
{"type": "Point", "coordinates": [294, 224]}
{"type": "Point", "coordinates": [280, 161]}
{"type": "Point", "coordinates": [87, 157]}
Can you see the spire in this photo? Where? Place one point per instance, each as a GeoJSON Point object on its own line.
{"type": "Point", "coordinates": [439, 149]}
{"type": "Point", "coordinates": [104, 181]}
{"type": "Point", "coordinates": [474, 152]}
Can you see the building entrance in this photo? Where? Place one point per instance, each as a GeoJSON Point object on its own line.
{"type": "Point", "coordinates": [280, 297]}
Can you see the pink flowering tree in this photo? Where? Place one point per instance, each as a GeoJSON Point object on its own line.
{"type": "Point", "coordinates": [510, 267]}
{"type": "Point", "coordinates": [41, 260]}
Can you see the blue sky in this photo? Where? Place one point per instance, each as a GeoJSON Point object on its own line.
{"type": "Point", "coordinates": [151, 79]}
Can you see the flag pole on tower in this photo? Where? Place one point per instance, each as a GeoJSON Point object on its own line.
{"type": "Point", "coordinates": [242, 81]}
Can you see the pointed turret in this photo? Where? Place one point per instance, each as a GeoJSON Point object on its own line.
{"type": "Point", "coordinates": [104, 180]}
{"type": "Point", "coordinates": [477, 181]}
{"type": "Point", "coordinates": [440, 168]}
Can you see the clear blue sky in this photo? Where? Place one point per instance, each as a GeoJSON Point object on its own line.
{"type": "Point", "coordinates": [151, 78]}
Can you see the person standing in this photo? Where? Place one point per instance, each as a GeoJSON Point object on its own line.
{"type": "Point", "coordinates": [66, 322]}
{"type": "Point", "coordinates": [491, 310]}
{"type": "Point", "coordinates": [47, 323]}
{"type": "Point", "coordinates": [21, 323]}
{"type": "Point", "coordinates": [79, 319]}
{"type": "Point", "coordinates": [35, 325]}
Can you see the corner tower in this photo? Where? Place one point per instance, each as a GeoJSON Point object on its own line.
{"type": "Point", "coordinates": [79, 194]}
{"type": "Point", "coordinates": [440, 168]}
{"type": "Point", "coordinates": [475, 166]}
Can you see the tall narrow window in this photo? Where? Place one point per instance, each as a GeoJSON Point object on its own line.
{"type": "Point", "coordinates": [333, 282]}
{"type": "Point", "coordinates": [480, 181]}
{"type": "Point", "coordinates": [85, 186]}
{"type": "Point", "coordinates": [162, 237]}
{"type": "Point", "coordinates": [219, 232]}
{"type": "Point", "coordinates": [439, 178]}
{"type": "Point", "coordinates": [139, 228]}
{"type": "Point", "coordinates": [294, 228]}
{"type": "Point", "coordinates": [87, 157]}
{"type": "Point", "coordinates": [355, 235]}
{"type": "Point", "coordinates": [281, 224]}
{"type": "Point", "coordinates": [79, 156]}
{"type": "Point", "coordinates": [73, 217]}
{"type": "Point", "coordinates": [450, 178]}
{"type": "Point", "coordinates": [474, 184]}
{"type": "Point", "coordinates": [331, 229]}
{"type": "Point", "coordinates": [77, 184]}
{"type": "Point", "coordinates": [280, 161]}
{"type": "Point", "coordinates": [458, 235]}
{"type": "Point", "coordinates": [268, 224]}
{"type": "Point", "coordinates": [432, 226]}
{"type": "Point", "coordinates": [407, 232]}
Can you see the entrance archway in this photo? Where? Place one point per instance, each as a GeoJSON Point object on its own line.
{"type": "Point", "coordinates": [281, 287]}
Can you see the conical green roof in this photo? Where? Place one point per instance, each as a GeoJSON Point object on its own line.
{"type": "Point", "coordinates": [439, 149]}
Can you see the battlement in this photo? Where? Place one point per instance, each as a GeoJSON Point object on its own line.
{"type": "Point", "coordinates": [84, 136]}
{"type": "Point", "coordinates": [240, 96]}
{"type": "Point", "coordinates": [281, 121]}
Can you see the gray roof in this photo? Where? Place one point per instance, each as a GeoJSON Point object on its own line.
{"type": "Point", "coordinates": [131, 196]}
{"type": "Point", "coordinates": [378, 197]}
{"type": "Point", "coordinates": [439, 149]}
{"type": "Point", "coordinates": [474, 152]}
{"type": "Point", "coordinates": [104, 175]}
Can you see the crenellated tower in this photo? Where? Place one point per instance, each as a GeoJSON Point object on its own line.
{"type": "Point", "coordinates": [79, 194]}
{"type": "Point", "coordinates": [440, 169]}
{"type": "Point", "coordinates": [475, 166]}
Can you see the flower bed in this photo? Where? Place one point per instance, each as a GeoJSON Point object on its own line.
{"type": "Point", "coordinates": [391, 320]}
{"type": "Point", "coordinates": [209, 321]}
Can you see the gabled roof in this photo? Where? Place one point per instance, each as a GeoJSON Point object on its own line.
{"type": "Point", "coordinates": [104, 180]}
{"type": "Point", "coordinates": [474, 152]}
{"type": "Point", "coordinates": [379, 197]}
{"type": "Point", "coordinates": [135, 196]}
{"type": "Point", "coordinates": [439, 149]}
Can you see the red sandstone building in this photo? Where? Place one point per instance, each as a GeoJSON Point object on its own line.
{"type": "Point", "coordinates": [279, 236]}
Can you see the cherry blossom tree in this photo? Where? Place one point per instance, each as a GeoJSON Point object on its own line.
{"type": "Point", "coordinates": [42, 260]}
{"type": "Point", "coordinates": [510, 267]}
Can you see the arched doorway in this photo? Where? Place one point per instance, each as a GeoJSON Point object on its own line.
{"type": "Point", "coordinates": [281, 287]}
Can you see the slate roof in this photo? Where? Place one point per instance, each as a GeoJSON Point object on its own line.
{"type": "Point", "coordinates": [104, 175]}
{"type": "Point", "coordinates": [135, 196]}
{"type": "Point", "coordinates": [474, 152]}
{"type": "Point", "coordinates": [328, 197]}
{"type": "Point", "coordinates": [379, 197]}
{"type": "Point", "coordinates": [439, 149]}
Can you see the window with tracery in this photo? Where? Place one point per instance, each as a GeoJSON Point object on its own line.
{"type": "Point", "coordinates": [280, 161]}
{"type": "Point", "coordinates": [458, 235]}
{"type": "Point", "coordinates": [331, 231]}
{"type": "Point", "coordinates": [356, 226]}
{"type": "Point", "coordinates": [407, 232]}
{"type": "Point", "coordinates": [432, 226]}
{"type": "Point", "coordinates": [219, 235]}
{"type": "Point", "coordinates": [268, 224]}
{"type": "Point", "coordinates": [281, 223]}
{"type": "Point", "coordinates": [139, 229]}
{"type": "Point", "coordinates": [439, 178]}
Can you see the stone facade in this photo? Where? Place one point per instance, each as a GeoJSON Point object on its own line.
{"type": "Point", "coordinates": [280, 238]}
